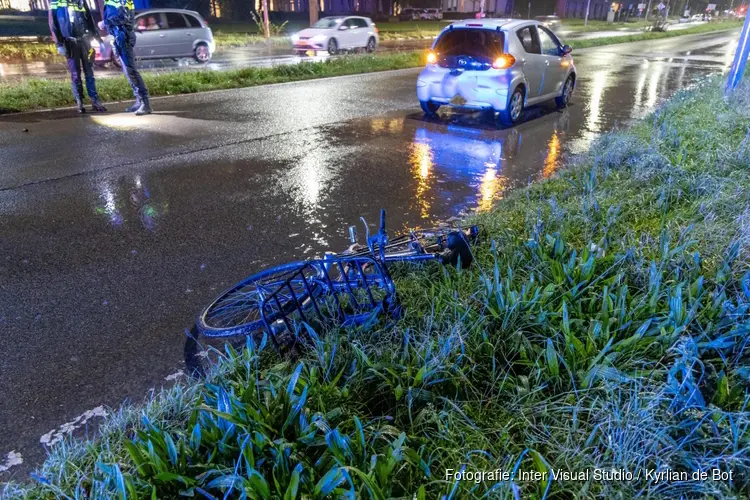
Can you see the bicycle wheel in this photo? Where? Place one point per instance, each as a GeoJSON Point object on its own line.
{"type": "Point", "coordinates": [237, 310]}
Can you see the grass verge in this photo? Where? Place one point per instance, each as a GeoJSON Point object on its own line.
{"type": "Point", "coordinates": [640, 37]}
{"type": "Point", "coordinates": [42, 94]}
{"type": "Point", "coordinates": [604, 328]}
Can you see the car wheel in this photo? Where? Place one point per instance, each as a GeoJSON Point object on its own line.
{"type": "Point", "coordinates": [429, 107]}
{"type": "Point", "coordinates": [512, 112]}
{"type": "Point", "coordinates": [333, 46]}
{"type": "Point", "coordinates": [202, 54]}
{"type": "Point", "coordinates": [564, 98]}
{"type": "Point", "coordinates": [371, 44]}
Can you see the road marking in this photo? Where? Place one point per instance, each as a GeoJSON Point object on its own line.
{"type": "Point", "coordinates": [56, 435]}
{"type": "Point", "coordinates": [12, 460]}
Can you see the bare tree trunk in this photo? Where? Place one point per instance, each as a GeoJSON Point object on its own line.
{"type": "Point", "coordinates": [313, 8]}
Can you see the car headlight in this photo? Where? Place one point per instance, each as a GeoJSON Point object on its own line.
{"type": "Point", "coordinates": [318, 38]}
{"type": "Point", "coordinates": [295, 38]}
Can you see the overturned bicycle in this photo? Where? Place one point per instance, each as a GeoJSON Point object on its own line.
{"type": "Point", "coordinates": [348, 288]}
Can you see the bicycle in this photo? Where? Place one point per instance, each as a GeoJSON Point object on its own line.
{"type": "Point", "coordinates": [348, 288]}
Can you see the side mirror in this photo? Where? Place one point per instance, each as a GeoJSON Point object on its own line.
{"type": "Point", "coordinates": [566, 49]}
{"type": "Point", "coordinates": [343, 27]}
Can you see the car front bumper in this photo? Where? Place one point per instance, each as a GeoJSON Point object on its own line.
{"type": "Point", "coordinates": [309, 45]}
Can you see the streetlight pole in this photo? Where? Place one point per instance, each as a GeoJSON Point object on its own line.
{"type": "Point", "coordinates": [648, 9]}
{"type": "Point", "coordinates": [586, 20]}
{"type": "Point", "coordinates": [529, 14]}
{"type": "Point", "coordinates": [740, 57]}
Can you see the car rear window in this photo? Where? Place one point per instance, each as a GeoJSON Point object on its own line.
{"type": "Point", "coordinates": [470, 42]}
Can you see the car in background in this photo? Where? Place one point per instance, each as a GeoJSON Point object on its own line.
{"type": "Point", "coordinates": [334, 34]}
{"type": "Point", "coordinates": [431, 14]}
{"type": "Point", "coordinates": [551, 22]}
{"type": "Point", "coordinates": [502, 65]}
{"type": "Point", "coordinates": [166, 34]}
{"type": "Point", "coordinates": [409, 14]}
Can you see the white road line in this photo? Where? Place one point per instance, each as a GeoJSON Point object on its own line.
{"type": "Point", "coordinates": [56, 435]}
{"type": "Point", "coordinates": [12, 460]}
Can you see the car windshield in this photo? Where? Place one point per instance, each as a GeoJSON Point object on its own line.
{"type": "Point", "coordinates": [470, 42]}
{"type": "Point", "coordinates": [327, 22]}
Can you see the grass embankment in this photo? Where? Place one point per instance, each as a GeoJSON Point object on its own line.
{"type": "Point", "coordinates": [42, 94]}
{"type": "Point", "coordinates": [605, 327]}
{"type": "Point", "coordinates": [640, 37]}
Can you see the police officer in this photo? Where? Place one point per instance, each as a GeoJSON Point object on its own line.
{"type": "Point", "coordinates": [72, 26]}
{"type": "Point", "coordinates": [117, 18]}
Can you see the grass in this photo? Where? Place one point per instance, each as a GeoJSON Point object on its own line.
{"type": "Point", "coordinates": [640, 37]}
{"type": "Point", "coordinates": [605, 326]}
{"type": "Point", "coordinates": [39, 93]}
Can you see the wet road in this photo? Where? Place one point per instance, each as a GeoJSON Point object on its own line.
{"type": "Point", "coordinates": [115, 230]}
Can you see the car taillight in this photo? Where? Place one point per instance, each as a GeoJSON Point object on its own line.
{"type": "Point", "coordinates": [504, 61]}
{"type": "Point", "coordinates": [431, 58]}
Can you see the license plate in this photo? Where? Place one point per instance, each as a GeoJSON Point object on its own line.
{"type": "Point", "coordinates": [310, 53]}
{"type": "Point", "coordinates": [458, 101]}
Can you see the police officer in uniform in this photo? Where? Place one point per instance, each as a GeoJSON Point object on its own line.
{"type": "Point", "coordinates": [72, 26]}
{"type": "Point", "coordinates": [117, 18]}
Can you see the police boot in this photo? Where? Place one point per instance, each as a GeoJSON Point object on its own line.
{"type": "Point", "coordinates": [96, 105]}
{"type": "Point", "coordinates": [134, 107]}
{"type": "Point", "coordinates": [79, 105]}
{"type": "Point", "coordinates": [145, 109]}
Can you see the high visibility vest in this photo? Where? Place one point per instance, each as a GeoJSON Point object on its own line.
{"type": "Point", "coordinates": [117, 4]}
{"type": "Point", "coordinates": [64, 4]}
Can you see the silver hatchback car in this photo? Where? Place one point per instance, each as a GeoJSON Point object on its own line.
{"type": "Point", "coordinates": [167, 34]}
{"type": "Point", "coordinates": [498, 64]}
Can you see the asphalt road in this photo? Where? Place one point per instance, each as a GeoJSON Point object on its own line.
{"type": "Point", "coordinates": [115, 230]}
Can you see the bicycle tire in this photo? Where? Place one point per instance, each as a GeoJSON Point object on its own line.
{"type": "Point", "coordinates": [236, 311]}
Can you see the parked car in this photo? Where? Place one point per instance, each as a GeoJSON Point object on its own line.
{"type": "Point", "coordinates": [166, 34]}
{"type": "Point", "coordinates": [431, 14]}
{"type": "Point", "coordinates": [334, 34]}
{"type": "Point", "coordinates": [501, 65]}
{"type": "Point", "coordinates": [409, 14]}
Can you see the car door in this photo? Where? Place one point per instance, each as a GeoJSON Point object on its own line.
{"type": "Point", "coordinates": [531, 60]}
{"type": "Point", "coordinates": [179, 35]}
{"type": "Point", "coordinates": [149, 35]}
{"type": "Point", "coordinates": [346, 36]}
{"type": "Point", "coordinates": [360, 33]}
{"type": "Point", "coordinates": [554, 71]}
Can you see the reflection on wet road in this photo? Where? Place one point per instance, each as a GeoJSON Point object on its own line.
{"type": "Point", "coordinates": [114, 231]}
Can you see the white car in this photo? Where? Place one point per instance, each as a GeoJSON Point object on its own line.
{"type": "Point", "coordinates": [333, 34]}
{"type": "Point", "coordinates": [434, 14]}
{"type": "Point", "coordinates": [496, 64]}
